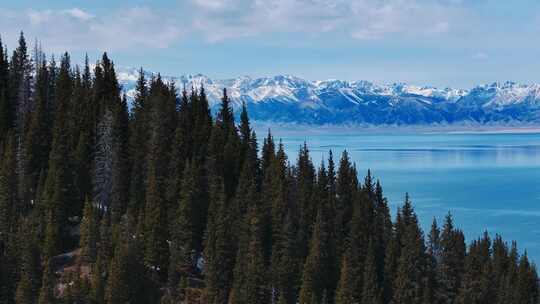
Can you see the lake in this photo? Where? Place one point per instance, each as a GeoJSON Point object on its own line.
{"type": "Point", "coordinates": [487, 181]}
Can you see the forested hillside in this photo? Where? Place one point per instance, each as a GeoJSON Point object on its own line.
{"type": "Point", "coordinates": [166, 204]}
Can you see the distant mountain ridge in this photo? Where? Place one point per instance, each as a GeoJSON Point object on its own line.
{"type": "Point", "coordinates": [288, 99]}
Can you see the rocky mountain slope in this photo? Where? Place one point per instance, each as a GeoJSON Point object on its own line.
{"type": "Point", "coordinates": [292, 100]}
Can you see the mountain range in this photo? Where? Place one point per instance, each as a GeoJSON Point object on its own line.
{"type": "Point", "coordinates": [287, 99]}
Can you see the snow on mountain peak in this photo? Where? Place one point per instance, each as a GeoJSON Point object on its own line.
{"type": "Point", "coordinates": [334, 100]}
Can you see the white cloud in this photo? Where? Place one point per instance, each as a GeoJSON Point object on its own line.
{"type": "Point", "coordinates": [77, 29]}
{"type": "Point", "coordinates": [218, 20]}
{"type": "Point", "coordinates": [137, 27]}
{"type": "Point", "coordinates": [79, 14]}
{"type": "Point", "coordinates": [46, 16]}
{"type": "Point", "coordinates": [360, 19]}
{"type": "Point", "coordinates": [213, 4]}
{"type": "Point", "coordinates": [480, 55]}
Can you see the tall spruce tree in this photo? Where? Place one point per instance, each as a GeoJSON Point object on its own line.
{"type": "Point", "coordinates": [8, 190]}
{"type": "Point", "coordinates": [371, 291]}
{"type": "Point", "coordinates": [318, 273]}
{"type": "Point", "coordinates": [346, 185]}
{"type": "Point", "coordinates": [30, 264]}
{"type": "Point", "coordinates": [219, 250]}
{"type": "Point", "coordinates": [286, 264]}
{"type": "Point", "coordinates": [118, 289]}
{"type": "Point", "coordinates": [224, 148]}
{"type": "Point", "coordinates": [58, 191]}
{"type": "Point", "coordinates": [120, 161]}
{"type": "Point", "coordinates": [451, 265]}
{"type": "Point", "coordinates": [250, 283]}
{"type": "Point", "coordinates": [138, 145]}
{"type": "Point", "coordinates": [184, 246]}
{"type": "Point", "coordinates": [37, 138]}
{"type": "Point", "coordinates": [180, 154]}
{"type": "Point", "coordinates": [89, 233]}
{"type": "Point", "coordinates": [85, 139]}
{"type": "Point", "coordinates": [407, 286]}
{"type": "Point", "coordinates": [431, 282]}
{"type": "Point", "coordinates": [20, 81]}
{"type": "Point", "coordinates": [156, 252]}
{"type": "Point", "coordinates": [353, 262]}
{"type": "Point", "coordinates": [305, 175]}
{"type": "Point", "coordinates": [473, 288]}
{"type": "Point", "coordinates": [6, 107]}
{"type": "Point", "coordinates": [46, 293]}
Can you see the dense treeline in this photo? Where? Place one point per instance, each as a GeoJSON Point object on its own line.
{"type": "Point", "coordinates": [165, 203]}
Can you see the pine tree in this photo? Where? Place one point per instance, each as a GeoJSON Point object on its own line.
{"type": "Point", "coordinates": [97, 283]}
{"type": "Point", "coordinates": [224, 148]}
{"type": "Point", "coordinates": [408, 287]}
{"type": "Point", "coordinates": [156, 253]}
{"type": "Point", "coordinates": [347, 285]}
{"type": "Point", "coordinates": [250, 283]}
{"type": "Point", "coordinates": [46, 293]}
{"type": "Point", "coordinates": [382, 230]}
{"type": "Point", "coordinates": [434, 240]}
{"type": "Point", "coordinates": [58, 192]}
{"type": "Point", "coordinates": [120, 161]}
{"type": "Point", "coordinates": [103, 159]}
{"type": "Point", "coordinates": [163, 122]}
{"type": "Point", "coordinates": [83, 140]}
{"type": "Point", "coordinates": [139, 136]}
{"type": "Point", "coordinates": [37, 138]}
{"type": "Point", "coordinates": [219, 254]}
{"type": "Point", "coordinates": [245, 132]}
{"type": "Point", "coordinates": [316, 267]}
{"type": "Point", "coordinates": [30, 263]}
{"type": "Point", "coordinates": [183, 231]}
{"type": "Point", "coordinates": [8, 190]}
{"type": "Point", "coordinates": [451, 261]}
{"type": "Point", "coordinates": [371, 292]}
{"type": "Point", "coordinates": [527, 283]}
{"type": "Point", "coordinates": [346, 185]}
{"type": "Point", "coordinates": [473, 288]}
{"type": "Point", "coordinates": [353, 262]}
{"type": "Point", "coordinates": [21, 82]}
{"type": "Point", "coordinates": [305, 174]}
{"type": "Point", "coordinates": [256, 288]}
{"type": "Point", "coordinates": [268, 152]}
{"type": "Point", "coordinates": [20, 79]}
{"type": "Point", "coordinates": [431, 284]}
{"type": "Point", "coordinates": [286, 264]}
{"type": "Point", "coordinates": [275, 197]}
{"type": "Point", "coordinates": [202, 125]}
{"type": "Point", "coordinates": [180, 154]}
{"type": "Point", "coordinates": [118, 289]}
{"type": "Point", "coordinates": [89, 233]}
{"type": "Point", "coordinates": [83, 164]}
{"type": "Point", "coordinates": [111, 146]}
{"type": "Point", "coordinates": [6, 111]}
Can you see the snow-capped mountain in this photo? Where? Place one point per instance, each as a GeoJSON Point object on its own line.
{"type": "Point", "coordinates": [289, 99]}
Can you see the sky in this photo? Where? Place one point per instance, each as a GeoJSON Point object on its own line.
{"type": "Point", "coordinates": [444, 43]}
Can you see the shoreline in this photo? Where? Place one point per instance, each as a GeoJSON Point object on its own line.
{"type": "Point", "coordinates": [263, 127]}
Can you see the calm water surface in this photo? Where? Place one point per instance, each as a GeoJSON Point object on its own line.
{"type": "Point", "coordinates": [488, 181]}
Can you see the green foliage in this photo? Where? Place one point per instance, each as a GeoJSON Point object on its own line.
{"type": "Point", "coordinates": [46, 293]}
{"type": "Point", "coordinates": [89, 233]}
{"type": "Point", "coordinates": [183, 209]}
{"type": "Point", "coordinates": [219, 252]}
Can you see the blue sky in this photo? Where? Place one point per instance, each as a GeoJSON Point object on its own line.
{"type": "Point", "coordinates": [457, 43]}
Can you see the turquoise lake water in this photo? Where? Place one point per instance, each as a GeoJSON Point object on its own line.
{"type": "Point", "coordinates": [488, 181]}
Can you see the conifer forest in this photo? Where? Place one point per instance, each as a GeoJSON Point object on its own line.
{"type": "Point", "coordinates": [163, 202]}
